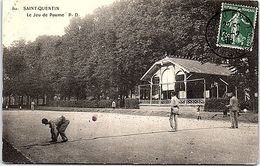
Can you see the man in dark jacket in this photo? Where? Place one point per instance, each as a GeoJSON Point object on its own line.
{"type": "Point", "coordinates": [233, 107]}
{"type": "Point", "coordinates": [58, 127]}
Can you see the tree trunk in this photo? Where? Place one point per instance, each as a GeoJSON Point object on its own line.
{"type": "Point", "coordinates": [28, 100]}
{"type": "Point", "coordinates": [22, 101]}
{"type": "Point", "coordinates": [43, 101]}
{"type": "Point", "coordinates": [9, 100]}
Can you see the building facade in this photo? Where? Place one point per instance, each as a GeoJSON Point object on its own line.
{"type": "Point", "coordinates": [193, 81]}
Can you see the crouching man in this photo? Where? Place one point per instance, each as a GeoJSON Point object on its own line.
{"type": "Point", "coordinates": [58, 127]}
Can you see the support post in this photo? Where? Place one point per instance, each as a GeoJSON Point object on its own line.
{"type": "Point", "coordinates": [139, 93]}
{"type": "Point", "coordinates": [159, 95]}
{"type": "Point", "coordinates": [151, 93]}
{"type": "Point", "coordinates": [151, 90]}
{"type": "Point", "coordinates": [204, 90]}
{"type": "Point", "coordinates": [160, 86]}
{"type": "Point", "coordinates": [217, 90]}
{"type": "Point", "coordinates": [185, 84]}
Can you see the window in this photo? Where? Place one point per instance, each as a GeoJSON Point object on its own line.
{"type": "Point", "coordinates": [168, 80]}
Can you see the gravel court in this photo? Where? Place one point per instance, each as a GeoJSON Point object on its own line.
{"type": "Point", "coordinates": [116, 138]}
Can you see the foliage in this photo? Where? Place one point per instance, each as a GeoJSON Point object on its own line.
{"type": "Point", "coordinates": [132, 103]}
{"type": "Point", "coordinates": [249, 105]}
{"type": "Point", "coordinates": [106, 53]}
{"type": "Point", "coordinates": [215, 104]}
{"type": "Point", "coordinates": [82, 103]}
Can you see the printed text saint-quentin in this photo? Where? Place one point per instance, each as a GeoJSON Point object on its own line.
{"type": "Point", "coordinates": [41, 8]}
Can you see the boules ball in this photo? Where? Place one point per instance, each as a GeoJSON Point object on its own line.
{"type": "Point", "coordinates": [94, 118]}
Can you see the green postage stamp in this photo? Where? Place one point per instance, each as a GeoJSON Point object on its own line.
{"type": "Point", "coordinates": [236, 26]}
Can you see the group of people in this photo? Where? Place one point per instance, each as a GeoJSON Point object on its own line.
{"type": "Point", "coordinates": [233, 109]}
{"type": "Point", "coordinates": [59, 125]}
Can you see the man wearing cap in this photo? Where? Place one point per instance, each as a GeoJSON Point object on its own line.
{"type": "Point", "coordinates": [233, 107]}
{"type": "Point", "coordinates": [174, 111]}
{"type": "Point", "coordinates": [58, 127]}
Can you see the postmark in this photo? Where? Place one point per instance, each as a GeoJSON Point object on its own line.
{"type": "Point", "coordinates": [236, 26]}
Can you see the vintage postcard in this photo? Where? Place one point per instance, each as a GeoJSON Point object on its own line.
{"type": "Point", "coordinates": [130, 82]}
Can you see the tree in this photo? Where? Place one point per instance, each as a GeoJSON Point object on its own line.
{"type": "Point", "coordinates": [107, 52]}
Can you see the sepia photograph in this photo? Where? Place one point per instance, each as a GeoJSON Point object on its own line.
{"type": "Point", "coordinates": [130, 82]}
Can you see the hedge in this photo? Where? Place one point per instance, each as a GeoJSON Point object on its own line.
{"type": "Point", "coordinates": [250, 105]}
{"type": "Point", "coordinates": [82, 103]}
{"type": "Point", "coordinates": [132, 103]}
{"type": "Point", "coordinates": [216, 105]}
{"type": "Point", "coordinates": [129, 103]}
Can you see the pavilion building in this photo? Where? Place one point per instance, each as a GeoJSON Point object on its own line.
{"type": "Point", "coordinates": [193, 81]}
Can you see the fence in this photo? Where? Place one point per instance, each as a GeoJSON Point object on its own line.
{"type": "Point", "coordinates": [190, 92]}
{"type": "Point", "coordinates": [200, 101]}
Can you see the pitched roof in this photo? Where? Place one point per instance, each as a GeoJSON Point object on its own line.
{"type": "Point", "coordinates": [190, 66]}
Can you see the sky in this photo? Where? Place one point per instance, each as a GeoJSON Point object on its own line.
{"type": "Point", "coordinates": [18, 24]}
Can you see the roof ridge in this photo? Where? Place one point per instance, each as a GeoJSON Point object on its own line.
{"type": "Point", "coordinates": [217, 64]}
{"type": "Point", "coordinates": [193, 66]}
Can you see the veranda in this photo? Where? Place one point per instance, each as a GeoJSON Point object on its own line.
{"type": "Point", "coordinates": [194, 82]}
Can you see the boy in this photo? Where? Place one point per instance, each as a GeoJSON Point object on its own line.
{"type": "Point", "coordinates": [113, 105]}
{"type": "Point", "coordinates": [198, 112]}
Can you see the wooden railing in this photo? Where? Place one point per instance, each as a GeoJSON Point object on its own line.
{"type": "Point", "coordinates": [192, 101]}
{"type": "Point", "coordinates": [200, 101]}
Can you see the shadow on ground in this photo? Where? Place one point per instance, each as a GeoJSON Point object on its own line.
{"type": "Point", "coordinates": [118, 136]}
{"type": "Point", "coordinates": [11, 156]}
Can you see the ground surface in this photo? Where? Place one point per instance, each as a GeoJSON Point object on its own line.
{"type": "Point", "coordinates": [186, 112]}
{"type": "Point", "coordinates": [117, 138]}
{"type": "Point", "coordinates": [11, 155]}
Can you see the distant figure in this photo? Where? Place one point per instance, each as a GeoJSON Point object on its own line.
{"type": "Point", "coordinates": [198, 112]}
{"type": "Point", "coordinates": [113, 104]}
{"type": "Point", "coordinates": [57, 126]}
{"type": "Point", "coordinates": [233, 108]}
{"type": "Point", "coordinates": [32, 105]}
{"type": "Point", "coordinates": [174, 111]}
{"type": "Point", "coordinates": [225, 111]}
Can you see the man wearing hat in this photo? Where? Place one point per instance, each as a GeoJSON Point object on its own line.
{"type": "Point", "coordinates": [233, 108]}
{"type": "Point", "coordinates": [58, 127]}
{"type": "Point", "coordinates": [174, 111]}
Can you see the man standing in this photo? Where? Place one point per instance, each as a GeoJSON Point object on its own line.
{"type": "Point", "coordinates": [32, 105]}
{"type": "Point", "coordinates": [113, 104]}
{"type": "Point", "coordinates": [174, 111]}
{"type": "Point", "coordinates": [233, 108]}
{"type": "Point", "coordinates": [57, 126]}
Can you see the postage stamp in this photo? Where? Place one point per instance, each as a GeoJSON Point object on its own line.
{"type": "Point", "coordinates": [236, 26]}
